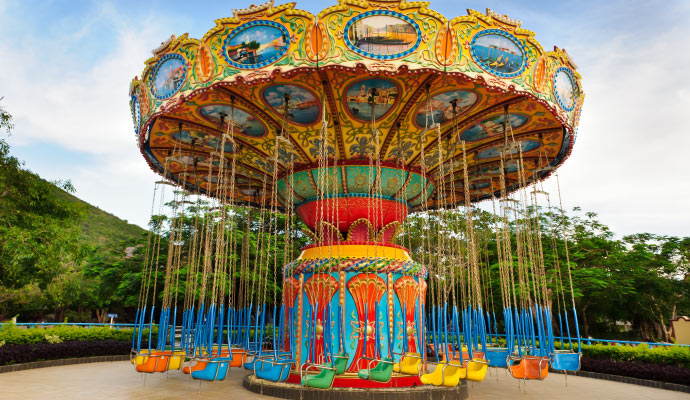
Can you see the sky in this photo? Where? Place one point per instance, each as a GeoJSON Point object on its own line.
{"type": "Point", "coordinates": [66, 66]}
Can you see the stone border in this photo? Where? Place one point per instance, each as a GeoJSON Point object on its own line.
{"type": "Point", "coordinates": [292, 391]}
{"type": "Point", "coordinates": [627, 379]}
{"type": "Point", "coordinates": [61, 362]}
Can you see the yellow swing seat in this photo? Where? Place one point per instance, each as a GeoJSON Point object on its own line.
{"type": "Point", "coordinates": [476, 369]}
{"type": "Point", "coordinates": [139, 358]}
{"type": "Point", "coordinates": [408, 364]}
{"type": "Point", "coordinates": [445, 374]}
{"type": "Point", "coordinates": [177, 359]}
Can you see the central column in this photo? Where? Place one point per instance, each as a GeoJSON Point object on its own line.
{"type": "Point", "coordinates": [354, 212]}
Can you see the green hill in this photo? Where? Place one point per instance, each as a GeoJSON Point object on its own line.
{"type": "Point", "coordinates": [101, 228]}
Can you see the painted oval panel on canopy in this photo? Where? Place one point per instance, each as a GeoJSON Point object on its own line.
{"type": "Point", "coordinates": [256, 44]}
{"type": "Point", "coordinates": [442, 106]}
{"type": "Point", "coordinates": [382, 34]}
{"type": "Point", "coordinates": [303, 105]}
{"type": "Point", "coordinates": [492, 126]}
{"type": "Point", "coordinates": [564, 88]}
{"type": "Point", "coordinates": [168, 76]}
{"type": "Point", "coordinates": [498, 52]}
{"type": "Point", "coordinates": [242, 121]}
{"type": "Point", "coordinates": [371, 97]}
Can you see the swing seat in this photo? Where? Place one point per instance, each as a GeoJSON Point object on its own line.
{"type": "Point", "coordinates": [566, 361]}
{"type": "Point", "coordinates": [477, 355]}
{"type": "Point", "coordinates": [497, 357]}
{"type": "Point", "coordinates": [239, 357]}
{"type": "Point", "coordinates": [139, 358]}
{"type": "Point", "coordinates": [476, 370]}
{"type": "Point", "coordinates": [327, 372]}
{"type": "Point", "coordinates": [529, 367]}
{"type": "Point", "coordinates": [445, 374]}
{"type": "Point", "coordinates": [322, 380]}
{"type": "Point", "coordinates": [216, 370]}
{"type": "Point", "coordinates": [408, 364]}
{"type": "Point", "coordinates": [250, 365]}
{"type": "Point", "coordinates": [200, 364]}
{"type": "Point", "coordinates": [177, 359]}
{"type": "Point", "coordinates": [272, 369]}
{"type": "Point", "coordinates": [156, 362]}
{"type": "Point", "coordinates": [380, 373]}
{"type": "Point", "coordinates": [340, 363]}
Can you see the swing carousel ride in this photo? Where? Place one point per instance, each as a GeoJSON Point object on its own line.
{"type": "Point", "coordinates": [352, 120]}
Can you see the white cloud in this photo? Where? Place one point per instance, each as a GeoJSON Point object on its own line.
{"type": "Point", "coordinates": [76, 104]}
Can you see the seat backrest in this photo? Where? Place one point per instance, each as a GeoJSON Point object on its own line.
{"type": "Point", "coordinates": [497, 358]}
{"type": "Point", "coordinates": [384, 366]}
{"type": "Point", "coordinates": [535, 367]}
{"type": "Point", "coordinates": [340, 364]}
{"type": "Point", "coordinates": [566, 362]}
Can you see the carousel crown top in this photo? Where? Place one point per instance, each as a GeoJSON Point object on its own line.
{"type": "Point", "coordinates": [388, 93]}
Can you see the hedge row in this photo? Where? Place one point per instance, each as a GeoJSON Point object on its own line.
{"type": "Point", "coordinates": [668, 355]}
{"type": "Point", "coordinates": [10, 334]}
{"type": "Point", "coordinates": [640, 370]}
{"type": "Point", "coordinates": [24, 353]}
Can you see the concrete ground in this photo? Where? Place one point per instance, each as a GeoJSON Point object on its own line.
{"type": "Point", "coordinates": [118, 380]}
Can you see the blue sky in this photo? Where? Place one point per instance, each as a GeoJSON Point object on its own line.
{"type": "Point", "coordinates": [65, 69]}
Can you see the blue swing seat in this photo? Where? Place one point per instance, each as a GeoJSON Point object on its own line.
{"type": "Point", "coordinates": [566, 361]}
{"type": "Point", "coordinates": [497, 357]}
{"type": "Point", "coordinates": [216, 369]}
{"type": "Point", "coordinates": [249, 365]}
{"type": "Point", "coordinates": [273, 369]}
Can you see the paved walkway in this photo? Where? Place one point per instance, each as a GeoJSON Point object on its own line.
{"type": "Point", "coordinates": [117, 380]}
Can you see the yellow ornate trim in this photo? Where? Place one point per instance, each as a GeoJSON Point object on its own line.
{"type": "Point", "coordinates": [355, 251]}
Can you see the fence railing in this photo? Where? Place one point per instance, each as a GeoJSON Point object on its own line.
{"type": "Point", "coordinates": [51, 324]}
{"type": "Point", "coordinates": [585, 341]}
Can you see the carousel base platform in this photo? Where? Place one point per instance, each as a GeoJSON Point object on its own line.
{"type": "Point", "coordinates": [286, 390]}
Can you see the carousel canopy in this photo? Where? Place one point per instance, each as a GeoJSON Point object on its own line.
{"type": "Point", "coordinates": [447, 99]}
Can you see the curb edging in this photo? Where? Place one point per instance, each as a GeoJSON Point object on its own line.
{"type": "Point", "coordinates": [627, 379]}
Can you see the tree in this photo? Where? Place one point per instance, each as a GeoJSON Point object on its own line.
{"type": "Point", "coordinates": [39, 229]}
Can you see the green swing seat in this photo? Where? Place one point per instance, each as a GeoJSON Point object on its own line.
{"type": "Point", "coordinates": [324, 379]}
{"type": "Point", "coordinates": [380, 373]}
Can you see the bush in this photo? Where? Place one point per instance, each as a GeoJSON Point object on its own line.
{"type": "Point", "coordinates": [10, 334]}
{"type": "Point", "coordinates": [23, 353]}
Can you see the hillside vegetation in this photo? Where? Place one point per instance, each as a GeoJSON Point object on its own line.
{"type": "Point", "coordinates": [59, 256]}
{"type": "Point", "coordinates": [100, 228]}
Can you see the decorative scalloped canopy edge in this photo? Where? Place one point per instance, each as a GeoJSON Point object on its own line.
{"type": "Point", "coordinates": [317, 53]}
